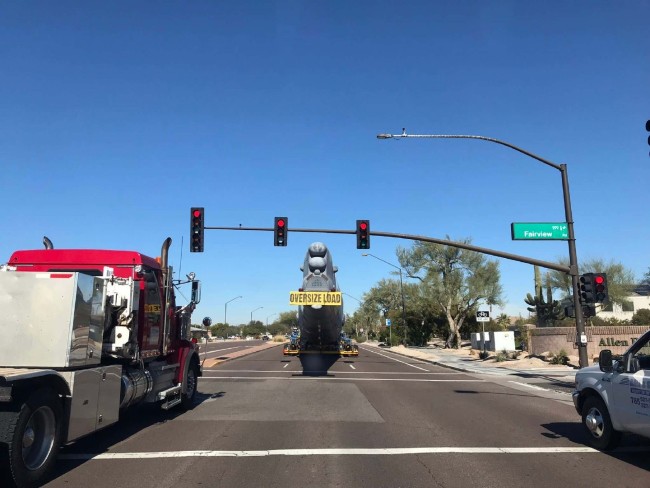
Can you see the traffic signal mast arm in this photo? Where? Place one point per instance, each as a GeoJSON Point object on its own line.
{"type": "Point", "coordinates": [461, 245]}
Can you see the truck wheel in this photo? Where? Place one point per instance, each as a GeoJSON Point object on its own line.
{"type": "Point", "coordinates": [598, 424]}
{"type": "Point", "coordinates": [30, 437]}
{"type": "Point", "coordinates": [191, 382]}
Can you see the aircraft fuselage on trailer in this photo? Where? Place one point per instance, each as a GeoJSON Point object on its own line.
{"type": "Point", "coordinates": [320, 326]}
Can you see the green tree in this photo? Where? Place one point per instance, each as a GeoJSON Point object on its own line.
{"type": "Point", "coordinates": [641, 317]}
{"type": "Point", "coordinates": [457, 279]}
{"type": "Point", "coordinates": [366, 318]}
{"type": "Point", "coordinates": [384, 301]}
{"type": "Point", "coordinates": [620, 280]}
{"type": "Point", "coordinates": [289, 319]}
{"type": "Point", "coordinates": [253, 328]}
{"type": "Point", "coordinates": [503, 321]}
{"type": "Point", "coordinates": [219, 330]}
{"type": "Point", "coordinates": [646, 278]}
{"type": "Point", "coordinates": [277, 328]}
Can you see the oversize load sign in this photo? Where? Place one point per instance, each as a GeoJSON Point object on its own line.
{"type": "Point", "coordinates": [539, 231]}
{"type": "Point", "coordinates": [315, 298]}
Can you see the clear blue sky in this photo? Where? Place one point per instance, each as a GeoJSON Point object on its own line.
{"type": "Point", "coordinates": [117, 117]}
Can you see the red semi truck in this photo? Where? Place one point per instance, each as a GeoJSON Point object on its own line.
{"type": "Point", "coordinates": [85, 335]}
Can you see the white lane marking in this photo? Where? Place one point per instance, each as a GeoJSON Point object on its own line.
{"type": "Point", "coordinates": [336, 452]}
{"type": "Point", "coordinates": [403, 362]}
{"type": "Point", "coordinates": [286, 365]}
{"type": "Point", "coordinates": [221, 350]}
{"type": "Point", "coordinates": [332, 378]}
{"type": "Point", "coordinates": [450, 373]}
{"type": "Point", "coordinates": [534, 387]}
{"type": "Point", "coordinates": [352, 367]}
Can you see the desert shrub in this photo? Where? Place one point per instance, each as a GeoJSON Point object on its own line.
{"type": "Point", "coordinates": [560, 358]}
{"type": "Point", "coordinates": [501, 356]}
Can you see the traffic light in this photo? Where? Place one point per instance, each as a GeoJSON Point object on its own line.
{"type": "Point", "coordinates": [600, 288]}
{"type": "Point", "coordinates": [647, 127]}
{"type": "Point", "coordinates": [587, 289]}
{"type": "Point", "coordinates": [588, 311]}
{"type": "Point", "coordinates": [196, 229]}
{"type": "Point", "coordinates": [363, 234]}
{"type": "Point", "coordinates": [280, 231]}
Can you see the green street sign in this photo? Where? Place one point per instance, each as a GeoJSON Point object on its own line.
{"type": "Point", "coordinates": [539, 231]}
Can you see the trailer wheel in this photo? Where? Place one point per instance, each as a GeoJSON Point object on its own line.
{"type": "Point", "coordinates": [191, 382]}
{"type": "Point", "coordinates": [598, 424]}
{"type": "Point", "coordinates": [30, 437]}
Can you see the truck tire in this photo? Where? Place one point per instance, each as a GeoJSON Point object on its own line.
{"type": "Point", "coordinates": [191, 382]}
{"type": "Point", "coordinates": [598, 424]}
{"type": "Point", "coordinates": [30, 437]}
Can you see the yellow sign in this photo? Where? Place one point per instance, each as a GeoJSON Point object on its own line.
{"type": "Point", "coordinates": [315, 298]}
{"type": "Point", "coordinates": [151, 308]}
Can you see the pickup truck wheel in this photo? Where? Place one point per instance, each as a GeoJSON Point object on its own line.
{"type": "Point", "coordinates": [598, 424]}
{"type": "Point", "coordinates": [30, 437]}
{"type": "Point", "coordinates": [191, 382]}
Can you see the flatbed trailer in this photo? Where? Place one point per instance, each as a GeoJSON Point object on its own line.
{"type": "Point", "coordinates": [345, 349]}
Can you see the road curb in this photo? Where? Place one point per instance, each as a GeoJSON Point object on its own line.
{"type": "Point", "coordinates": [211, 363]}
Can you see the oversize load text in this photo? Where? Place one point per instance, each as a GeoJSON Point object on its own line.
{"type": "Point", "coordinates": [315, 298]}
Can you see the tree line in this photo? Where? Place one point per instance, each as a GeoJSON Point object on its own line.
{"type": "Point", "coordinates": [447, 286]}
{"type": "Point", "coordinates": [451, 283]}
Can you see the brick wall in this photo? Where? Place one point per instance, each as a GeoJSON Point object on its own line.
{"type": "Point", "coordinates": [552, 339]}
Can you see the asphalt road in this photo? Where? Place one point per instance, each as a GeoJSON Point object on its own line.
{"type": "Point", "coordinates": [379, 420]}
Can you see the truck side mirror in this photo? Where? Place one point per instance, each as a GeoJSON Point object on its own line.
{"type": "Point", "coordinates": [605, 361]}
{"type": "Point", "coordinates": [196, 291]}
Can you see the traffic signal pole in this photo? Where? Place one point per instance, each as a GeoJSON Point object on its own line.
{"type": "Point", "coordinates": [581, 338]}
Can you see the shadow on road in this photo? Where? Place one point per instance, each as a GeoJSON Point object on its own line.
{"type": "Point", "coordinates": [131, 422]}
{"type": "Point", "coordinates": [632, 450]}
{"type": "Point", "coordinates": [317, 364]}
{"type": "Point", "coordinates": [474, 392]}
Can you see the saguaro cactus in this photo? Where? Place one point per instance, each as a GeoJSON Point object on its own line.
{"type": "Point", "coordinates": [547, 311]}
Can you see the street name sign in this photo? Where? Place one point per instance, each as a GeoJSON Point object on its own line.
{"type": "Point", "coordinates": [539, 231]}
{"type": "Point", "coordinates": [482, 316]}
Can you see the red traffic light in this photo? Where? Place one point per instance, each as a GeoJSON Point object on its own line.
{"type": "Point", "coordinates": [280, 230]}
{"type": "Point", "coordinates": [363, 234]}
{"type": "Point", "coordinates": [197, 216]}
{"type": "Point", "coordinates": [599, 280]}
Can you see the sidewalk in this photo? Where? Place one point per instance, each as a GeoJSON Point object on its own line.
{"type": "Point", "coordinates": [461, 360]}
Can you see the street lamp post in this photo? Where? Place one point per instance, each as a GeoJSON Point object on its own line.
{"type": "Point", "coordinates": [356, 327]}
{"type": "Point", "coordinates": [225, 309]}
{"type": "Point", "coordinates": [258, 308]}
{"type": "Point", "coordinates": [267, 319]}
{"type": "Point", "coordinates": [367, 329]}
{"type": "Point", "coordinates": [581, 338]}
{"type": "Point", "coordinates": [401, 288]}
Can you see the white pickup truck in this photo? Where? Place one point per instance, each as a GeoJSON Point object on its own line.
{"type": "Point", "coordinates": [614, 396]}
